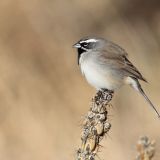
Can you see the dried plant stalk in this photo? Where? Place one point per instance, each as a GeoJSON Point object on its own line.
{"type": "Point", "coordinates": [145, 148]}
{"type": "Point", "coordinates": [95, 126]}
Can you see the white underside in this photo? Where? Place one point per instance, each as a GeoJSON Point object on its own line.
{"type": "Point", "coordinates": [99, 77]}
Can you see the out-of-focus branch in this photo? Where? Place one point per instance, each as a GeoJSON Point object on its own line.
{"type": "Point", "coordinates": [95, 126]}
{"type": "Point", "coordinates": [145, 148]}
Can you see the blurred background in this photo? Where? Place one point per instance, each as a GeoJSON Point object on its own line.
{"type": "Point", "coordinates": [43, 96]}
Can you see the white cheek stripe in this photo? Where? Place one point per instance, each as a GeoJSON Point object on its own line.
{"type": "Point", "coordinates": [85, 49]}
{"type": "Point", "coordinates": [89, 40]}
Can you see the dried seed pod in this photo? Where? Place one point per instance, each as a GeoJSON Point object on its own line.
{"type": "Point", "coordinates": [91, 115]}
{"type": "Point", "coordinates": [90, 144]}
{"type": "Point", "coordinates": [102, 110]}
{"type": "Point", "coordinates": [107, 96]}
{"type": "Point", "coordinates": [99, 128]}
{"type": "Point", "coordinates": [91, 157]}
{"type": "Point", "coordinates": [82, 155]}
{"type": "Point", "coordinates": [93, 131]}
{"type": "Point", "coordinates": [79, 157]}
{"type": "Point", "coordinates": [101, 117]}
{"type": "Point", "coordinates": [107, 127]}
{"type": "Point", "coordinates": [94, 108]}
{"type": "Point", "coordinates": [85, 134]}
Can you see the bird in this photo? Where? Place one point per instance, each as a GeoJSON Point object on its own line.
{"type": "Point", "coordinates": [106, 66]}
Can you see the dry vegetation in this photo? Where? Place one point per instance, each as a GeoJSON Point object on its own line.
{"type": "Point", "coordinates": [95, 126]}
{"type": "Point", "coordinates": [42, 93]}
{"type": "Point", "coordinates": [145, 148]}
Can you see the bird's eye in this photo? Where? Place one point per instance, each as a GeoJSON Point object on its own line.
{"type": "Point", "coordinates": [84, 44]}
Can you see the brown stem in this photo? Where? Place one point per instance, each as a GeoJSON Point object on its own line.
{"type": "Point", "coordinates": [95, 126]}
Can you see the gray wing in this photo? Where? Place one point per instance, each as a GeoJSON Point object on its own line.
{"type": "Point", "coordinates": [116, 58]}
{"type": "Point", "coordinates": [112, 48]}
{"type": "Point", "coordinates": [131, 69]}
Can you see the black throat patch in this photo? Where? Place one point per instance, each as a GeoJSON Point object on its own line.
{"type": "Point", "coordinates": [80, 51]}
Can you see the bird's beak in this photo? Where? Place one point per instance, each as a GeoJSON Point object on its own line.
{"type": "Point", "coordinates": [77, 45]}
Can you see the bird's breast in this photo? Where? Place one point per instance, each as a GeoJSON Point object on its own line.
{"type": "Point", "coordinates": [99, 76]}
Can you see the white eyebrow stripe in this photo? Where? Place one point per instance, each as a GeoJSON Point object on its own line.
{"type": "Point", "coordinates": [89, 40]}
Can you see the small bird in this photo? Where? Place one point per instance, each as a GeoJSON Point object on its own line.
{"type": "Point", "coordinates": [105, 65]}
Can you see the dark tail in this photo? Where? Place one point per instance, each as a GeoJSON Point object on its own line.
{"type": "Point", "coordinates": [139, 88]}
{"type": "Point", "coordinates": [148, 100]}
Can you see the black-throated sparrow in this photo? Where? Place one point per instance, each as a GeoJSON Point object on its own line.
{"type": "Point", "coordinates": [106, 66]}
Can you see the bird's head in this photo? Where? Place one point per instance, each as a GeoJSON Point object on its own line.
{"type": "Point", "coordinates": [89, 44]}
